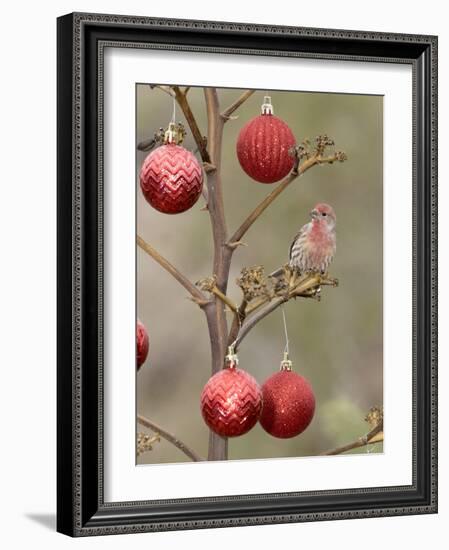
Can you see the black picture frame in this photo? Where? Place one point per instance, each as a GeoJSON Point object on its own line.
{"type": "Point", "coordinates": [81, 509]}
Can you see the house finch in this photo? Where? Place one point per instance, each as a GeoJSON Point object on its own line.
{"type": "Point", "coordinates": [313, 248]}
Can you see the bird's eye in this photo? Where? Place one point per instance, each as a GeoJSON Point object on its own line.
{"type": "Point", "coordinates": [323, 214]}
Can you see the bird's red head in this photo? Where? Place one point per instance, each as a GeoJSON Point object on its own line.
{"type": "Point", "coordinates": [323, 212]}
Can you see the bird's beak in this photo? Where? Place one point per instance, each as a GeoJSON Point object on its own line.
{"type": "Point", "coordinates": [314, 214]}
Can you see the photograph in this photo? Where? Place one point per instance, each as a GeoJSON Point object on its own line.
{"type": "Point", "coordinates": [259, 275]}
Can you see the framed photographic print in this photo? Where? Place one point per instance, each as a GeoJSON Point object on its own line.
{"type": "Point", "coordinates": [247, 283]}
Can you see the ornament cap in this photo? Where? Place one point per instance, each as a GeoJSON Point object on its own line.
{"type": "Point", "coordinates": [286, 364]}
{"type": "Point", "coordinates": [267, 107]}
{"type": "Point", "coordinates": [232, 359]}
{"type": "Point", "coordinates": [174, 134]}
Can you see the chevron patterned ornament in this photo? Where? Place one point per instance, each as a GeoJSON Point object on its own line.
{"type": "Point", "coordinates": [288, 403]}
{"type": "Point", "coordinates": [171, 179]}
{"type": "Point", "coordinates": [142, 344]}
{"type": "Point", "coordinates": [231, 401]}
{"type": "Point", "coordinates": [264, 146]}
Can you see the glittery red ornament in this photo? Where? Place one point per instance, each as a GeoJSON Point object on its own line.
{"type": "Point", "coordinates": [142, 343]}
{"type": "Point", "coordinates": [263, 147]}
{"type": "Point", "coordinates": [288, 404]}
{"type": "Point", "coordinates": [171, 179]}
{"type": "Point", "coordinates": [231, 402]}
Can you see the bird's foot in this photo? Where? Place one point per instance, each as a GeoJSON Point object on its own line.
{"type": "Point", "coordinates": [292, 276]}
{"type": "Point", "coordinates": [314, 294]}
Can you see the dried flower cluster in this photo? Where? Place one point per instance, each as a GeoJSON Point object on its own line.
{"type": "Point", "coordinates": [253, 283]}
{"type": "Point", "coordinates": [145, 442]}
{"type": "Point", "coordinates": [375, 417]}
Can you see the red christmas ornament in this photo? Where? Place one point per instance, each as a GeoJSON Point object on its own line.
{"type": "Point", "coordinates": [171, 178]}
{"type": "Point", "coordinates": [142, 344]}
{"type": "Point", "coordinates": [231, 400]}
{"type": "Point", "coordinates": [263, 146]}
{"type": "Point", "coordinates": [288, 403]}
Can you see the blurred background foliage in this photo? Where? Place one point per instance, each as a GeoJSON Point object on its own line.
{"type": "Point", "coordinates": [336, 343]}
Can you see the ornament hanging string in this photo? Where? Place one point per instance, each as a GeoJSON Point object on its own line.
{"type": "Point", "coordinates": [286, 349]}
{"type": "Point", "coordinates": [173, 118]}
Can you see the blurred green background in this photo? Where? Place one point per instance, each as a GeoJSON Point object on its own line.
{"type": "Point", "coordinates": [336, 343]}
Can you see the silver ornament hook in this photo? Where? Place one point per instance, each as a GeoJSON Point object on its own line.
{"type": "Point", "coordinates": [232, 359]}
{"type": "Point", "coordinates": [267, 107]}
{"type": "Point", "coordinates": [171, 132]}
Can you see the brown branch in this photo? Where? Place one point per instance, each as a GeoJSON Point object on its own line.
{"type": "Point", "coordinates": [297, 171]}
{"type": "Point", "coordinates": [169, 437]}
{"type": "Point", "coordinates": [225, 299]}
{"type": "Point", "coordinates": [258, 303]}
{"type": "Point", "coordinates": [181, 98]}
{"type": "Point", "coordinates": [216, 314]}
{"type": "Point", "coordinates": [197, 295]}
{"type": "Point", "coordinates": [146, 144]}
{"type": "Point", "coordinates": [221, 262]}
{"type": "Point", "coordinates": [226, 114]}
{"type": "Point", "coordinates": [373, 436]}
